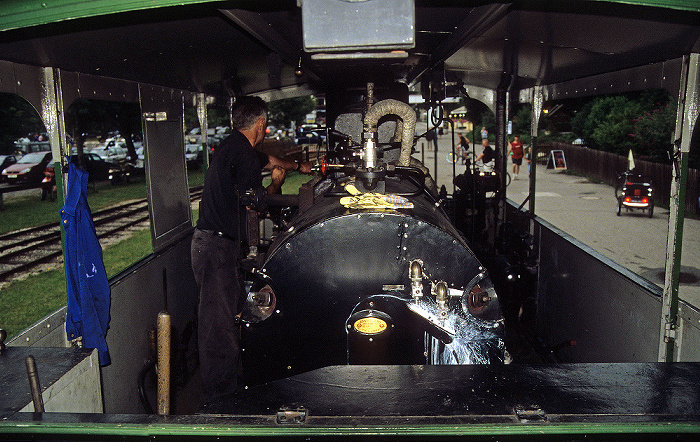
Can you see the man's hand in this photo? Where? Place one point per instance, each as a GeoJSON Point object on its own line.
{"type": "Point", "coordinates": [278, 175]}
{"type": "Point", "coordinates": [305, 167]}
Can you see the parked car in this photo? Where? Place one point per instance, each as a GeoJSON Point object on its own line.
{"type": "Point", "coordinates": [308, 135]}
{"type": "Point", "coordinates": [6, 161]}
{"type": "Point", "coordinates": [96, 167]}
{"type": "Point", "coordinates": [28, 170]}
{"type": "Point", "coordinates": [193, 155]}
{"type": "Point", "coordinates": [112, 154]}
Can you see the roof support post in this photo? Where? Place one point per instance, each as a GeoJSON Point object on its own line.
{"type": "Point", "coordinates": [686, 117]}
{"type": "Point", "coordinates": [537, 101]}
{"type": "Point", "coordinates": [204, 126]}
{"type": "Point", "coordinates": [502, 116]}
{"type": "Point", "coordinates": [52, 113]}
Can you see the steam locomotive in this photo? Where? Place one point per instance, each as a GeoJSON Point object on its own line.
{"type": "Point", "coordinates": [371, 270]}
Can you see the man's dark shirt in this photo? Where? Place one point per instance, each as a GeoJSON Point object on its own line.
{"type": "Point", "coordinates": [488, 154]}
{"type": "Point", "coordinates": [236, 165]}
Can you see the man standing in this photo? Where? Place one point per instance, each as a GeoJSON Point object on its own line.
{"type": "Point", "coordinates": [516, 148]}
{"type": "Point", "coordinates": [216, 242]}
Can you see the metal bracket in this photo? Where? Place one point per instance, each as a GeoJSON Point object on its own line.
{"type": "Point", "coordinates": [287, 416]}
{"type": "Point", "coordinates": [669, 332]}
{"type": "Point", "coordinates": [530, 413]}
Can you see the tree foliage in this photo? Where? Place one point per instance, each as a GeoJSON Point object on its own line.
{"type": "Point", "coordinates": [98, 118]}
{"type": "Point", "coordinates": [17, 119]}
{"type": "Point", "coordinates": [522, 121]}
{"type": "Point", "coordinates": [642, 122]}
{"type": "Point", "coordinates": [282, 112]}
{"type": "Point", "coordinates": [216, 116]}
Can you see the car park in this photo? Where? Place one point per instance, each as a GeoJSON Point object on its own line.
{"type": "Point", "coordinates": [28, 170]}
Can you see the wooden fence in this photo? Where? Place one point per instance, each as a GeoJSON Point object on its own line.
{"type": "Point", "coordinates": [606, 166]}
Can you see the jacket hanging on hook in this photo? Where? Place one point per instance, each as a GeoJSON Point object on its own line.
{"type": "Point", "coordinates": [86, 278]}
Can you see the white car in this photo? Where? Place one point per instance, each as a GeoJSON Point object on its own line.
{"type": "Point", "coordinates": [112, 154]}
{"type": "Point", "coordinates": [193, 155]}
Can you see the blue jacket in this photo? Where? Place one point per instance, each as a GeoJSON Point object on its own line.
{"type": "Point", "coordinates": [86, 279]}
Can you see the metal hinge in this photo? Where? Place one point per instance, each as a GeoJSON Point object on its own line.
{"type": "Point", "coordinates": [669, 332]}
{"type": "Point", "coordinates": [287, 416]}
{"type": "Point", "coordinates": [530, 413]}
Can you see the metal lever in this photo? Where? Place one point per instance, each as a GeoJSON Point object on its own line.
{"type": "Point", "coordinates": [34, 385]}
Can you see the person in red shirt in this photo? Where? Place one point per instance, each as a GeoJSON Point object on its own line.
{"type": "Point", "coordinates": [516, 148]}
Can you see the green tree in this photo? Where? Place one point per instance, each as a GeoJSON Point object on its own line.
{"type": "Point", "coordinates": [488, 120]}
{"type": "Point", "coordinates": [282, 112]}
{"type": "Point", "coordinates": [579, 118]}
{"type": "Point", "coordinates": [652, 130]}
{"type": "Point", "coordinates": [522, 122]}
{"type": "Point", "coordinates": [102, 117]}
{"type": "Point", "coordinates": [642, 122]}
{"type": "Point", "coordinates": [216, 116]}
{"type": "Point", "coordinates": [17, 119]}
{"type": "Point", "coordinates": [610, 122]}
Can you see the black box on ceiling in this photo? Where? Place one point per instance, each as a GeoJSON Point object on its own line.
{"type": "Point", "coordinates": [358, 25]}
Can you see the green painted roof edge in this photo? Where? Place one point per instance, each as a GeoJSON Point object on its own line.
{"type": "Point", "coordinates": [18, 14]}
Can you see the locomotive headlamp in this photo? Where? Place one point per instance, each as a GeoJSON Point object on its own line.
{"type": "Point", "coordinates": [370, 322]}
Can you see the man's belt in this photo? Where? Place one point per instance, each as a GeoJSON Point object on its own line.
{"type": "Point", "coordinates": [217, 233]}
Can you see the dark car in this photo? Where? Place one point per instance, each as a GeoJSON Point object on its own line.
{"type": "Point", "coordinates": [96, 167]}
{"type": "Point", "coordinates": [27, 170]}
{"type": "Point", "coordinates": [6, 161]}
{"type": "Point", "coordinates": [308, 135]}
{"type": "Point", "coordinates": [194, 155]}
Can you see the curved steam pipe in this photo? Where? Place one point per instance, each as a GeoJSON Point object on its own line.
{"type": "Point", "coordinates": [407, 115]}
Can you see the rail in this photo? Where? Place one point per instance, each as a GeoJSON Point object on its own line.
{"type": "Point", "coordinates": [26, 249]}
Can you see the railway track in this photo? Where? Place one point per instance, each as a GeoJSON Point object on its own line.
{"type": "Point", "coordinates": [26, 249]}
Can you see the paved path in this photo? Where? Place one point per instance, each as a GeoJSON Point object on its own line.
{"type": "Point", "coordinates": [587, 211]}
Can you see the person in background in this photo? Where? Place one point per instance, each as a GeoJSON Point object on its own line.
{"type": "Point", "coordinates": [463, 147]}
{"type": "Point", "coordinates": [516, 148]}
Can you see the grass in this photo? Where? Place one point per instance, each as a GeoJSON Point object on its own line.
{"type": "Point", "coordinates": [22, 303]}
{"type": "Point", "coordinates": [25, 302]}
{"type": "Point", "coordinates": [292, 183]}
{"type": "Point", "coordinates": [29, 211]}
